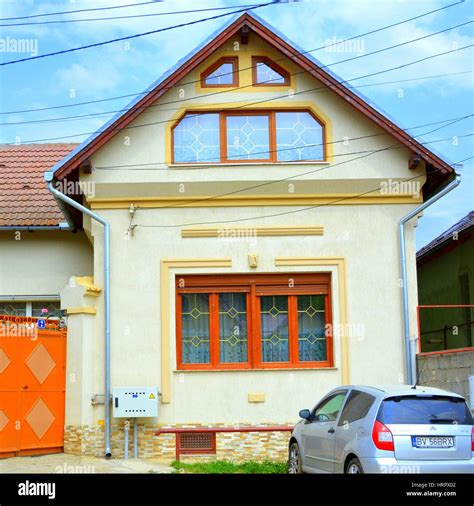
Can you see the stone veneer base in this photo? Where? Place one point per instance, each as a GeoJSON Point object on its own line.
{"type": "Point", "coordinates": [231, 446]}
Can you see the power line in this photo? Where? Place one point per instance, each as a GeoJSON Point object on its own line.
{"type": "Point", "coordinates": [265, 100]}
{"type": "Point", "coordinates": [303, 209]}
{"type": "Point", "coordinates": [55, 120]}
{"type": "Point", "coordinates": [312, 171]}
{"type": "Point", "coordinates": [153, 14]}
{"type": "Point", "coordinates": [81, 10]}
{"type": "Point", "coordinates": [129, 37]}
{"type": "Point", "coordinates": [145, 166]}
{"type": "Point", "coordinates": [376, 30]}
{"type": "Point", "coordinates": [82, 116]}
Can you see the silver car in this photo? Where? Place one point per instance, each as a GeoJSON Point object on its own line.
{"type": "Point", "coordinates": [401, 429]}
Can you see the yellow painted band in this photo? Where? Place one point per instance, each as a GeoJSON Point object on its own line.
{"type": "Point", "coordinates": [81, 310]}
{"type": "Point", "coordinates": [251, 201]}
{"type": "Point", "coordinates": [251, 232]}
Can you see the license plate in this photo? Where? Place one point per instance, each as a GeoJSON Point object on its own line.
{"type": "Point", "coordinates": [432, 441]}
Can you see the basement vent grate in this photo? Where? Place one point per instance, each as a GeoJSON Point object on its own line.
{"type": "Point", "coordinates": [196, 442]}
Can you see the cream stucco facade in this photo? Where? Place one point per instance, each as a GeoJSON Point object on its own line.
{"type": "Point", "coordinates": [46, 260]}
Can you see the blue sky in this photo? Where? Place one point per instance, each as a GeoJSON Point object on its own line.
{"type": "Point", "coordinates": [125, 68]}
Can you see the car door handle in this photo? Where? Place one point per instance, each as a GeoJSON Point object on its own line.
{"type": "Point", "coordinates": [332, 430]}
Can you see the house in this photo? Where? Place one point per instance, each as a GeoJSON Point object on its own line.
{"type": "Point", "coordinates": [243, 216]}
{"type": "Point", "coordinates": [39, 252]}
{"type": "Point", "coordinates": [445, 268]}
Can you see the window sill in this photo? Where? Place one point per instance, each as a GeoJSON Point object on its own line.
{"type": "Point", "coordinates": [217, 165]}
{"type": "Point", "coordinates": [269, 369]}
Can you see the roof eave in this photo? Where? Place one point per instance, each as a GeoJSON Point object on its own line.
{"type": "Point", "coordinates": [169, 79]}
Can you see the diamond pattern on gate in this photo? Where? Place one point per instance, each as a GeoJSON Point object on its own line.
{"type": "Point", "coordinates": [40, 418]}
{"type": "Point", "coordinates": [3, 420]}
{"type": "Point", "coordinates": [4, 361]}
{"type": "Point", "coordinates": [40, 363]}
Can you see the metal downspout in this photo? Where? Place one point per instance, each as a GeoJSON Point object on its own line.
{"type": "Point", "coordinates": [409, 352]}
{"type": "Point", "coordinates": [49, 177]}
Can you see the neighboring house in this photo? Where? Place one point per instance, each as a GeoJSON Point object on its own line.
{"type": "Point", "coordinates": [446, 277]}
{"type": "Point", "coordinates": [253, 204]}
{"type": "Point", "coordinates": [38, 251]}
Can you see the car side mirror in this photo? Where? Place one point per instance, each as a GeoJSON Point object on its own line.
{"type": "Point", "coordinates": [305, 414]}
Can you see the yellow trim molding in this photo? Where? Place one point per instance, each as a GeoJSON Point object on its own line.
{"type": "Point", "coordinates": [251, 201]}
{"type": "Point", "coordinates": [81, 310]}
{"type": "Point", "coordinates": [224, 232]}
{"type": "Point", "coordinates": [254, 397]}
{"type": "Point", "coordinates": [88, 283]}
{"type": "Point", "coordinates": [166, 266]}
{"type": "Point", "coordinates": [340, 263]}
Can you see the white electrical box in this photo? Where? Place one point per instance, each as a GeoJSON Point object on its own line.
{"type": "Point", "coordinates": [135, 402]}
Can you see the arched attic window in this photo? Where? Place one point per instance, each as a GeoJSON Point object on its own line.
{"type": "Point", "coordinates": [250, 136]}
{"type": "Point", "coordinates": [266, 72]}
{"type": "Point", "coordinates": [224, 73]}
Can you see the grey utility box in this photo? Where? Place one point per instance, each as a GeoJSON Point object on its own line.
{"type": "Point", "coordinates": [135, 402]}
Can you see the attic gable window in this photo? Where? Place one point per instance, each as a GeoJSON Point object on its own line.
{"type": "Point", "coordinates": [224, 73]}
{"type": "Point", "coordinates": [248, 137]}
{"type": "Point", "coordinates": [267, 73]}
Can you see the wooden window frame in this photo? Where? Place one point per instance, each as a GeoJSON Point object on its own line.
{"type": "Point", "coordinates": [274, 66]}
{"type": "Point", "coordinates": [255, 286]}
{"type": "Point", "coordinates": [272, 132]}
{"type": "Point", "coordinates": [234, 61]}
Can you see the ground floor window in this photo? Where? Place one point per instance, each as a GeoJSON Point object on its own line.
{"type": "Point", "coordinates": [254, 321]}
{"type": "Point", "coordinates": [35, 308]}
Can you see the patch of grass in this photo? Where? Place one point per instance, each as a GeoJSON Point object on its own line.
{"type": "Point", "coordinates": [225, 467]}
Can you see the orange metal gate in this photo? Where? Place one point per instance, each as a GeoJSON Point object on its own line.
{"type": "Point", "coordinates": [32, 387]}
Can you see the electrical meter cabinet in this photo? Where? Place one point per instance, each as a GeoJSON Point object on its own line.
{"type": "Point", "coordinates": [135, 402]}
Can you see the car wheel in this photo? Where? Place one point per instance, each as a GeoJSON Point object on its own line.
{"type": "Point", "coordinates": [354, 467]}
{"type": "Point", "coordinates": [294, 459]}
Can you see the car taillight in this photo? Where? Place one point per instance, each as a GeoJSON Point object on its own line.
{"type": "Point", "coordinates": [382, 437]}
{"type": "Point", "coordinates": [472, 439]}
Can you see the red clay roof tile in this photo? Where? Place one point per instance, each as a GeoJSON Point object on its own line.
{"type": "Point", "coordinates": [24, 196]}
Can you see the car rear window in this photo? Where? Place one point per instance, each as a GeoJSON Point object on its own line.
{"type": "Point", "coordinates": [357, 406]}
{"type": "Point", "coordinates": [424, 410]}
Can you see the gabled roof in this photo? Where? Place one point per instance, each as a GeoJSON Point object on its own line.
{"type": "Point", "coordinates": [439, 172]}
{"type": "Point", "coordinates": [24, 196]}
{"type": "Point", "coordinates": [461, 228]}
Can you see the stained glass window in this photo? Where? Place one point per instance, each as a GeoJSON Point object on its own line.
{"type": "Point", "coordinates": [254, 321]}
{"type": "Point", "coordinates": [36, 309]}
{"type": "Point", "coordinates": [13, 308]}
{"type": "Point", "coordinates": [50, 309]}
{"type": "Point", "coordinates": [311, 328]}
{"type": "Point", "coordinates": [222, 75]}
{"type": "Point", "coordinates": [224, 72]}
{"type": "Point", "coordinates": [266, 75]}
{"type": "Point", "coordinates": [248, 137]}
{"type": "Point", "coordinates": [195, 328]}
{"type": "Point", "coordinates": [274, 328]}
{"type": "Point", "coordinates": [232, 327]}
{"type": "Point", "coordinates": [299, 137]}
{"type": "Point", "coordinates": [196, 139]}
